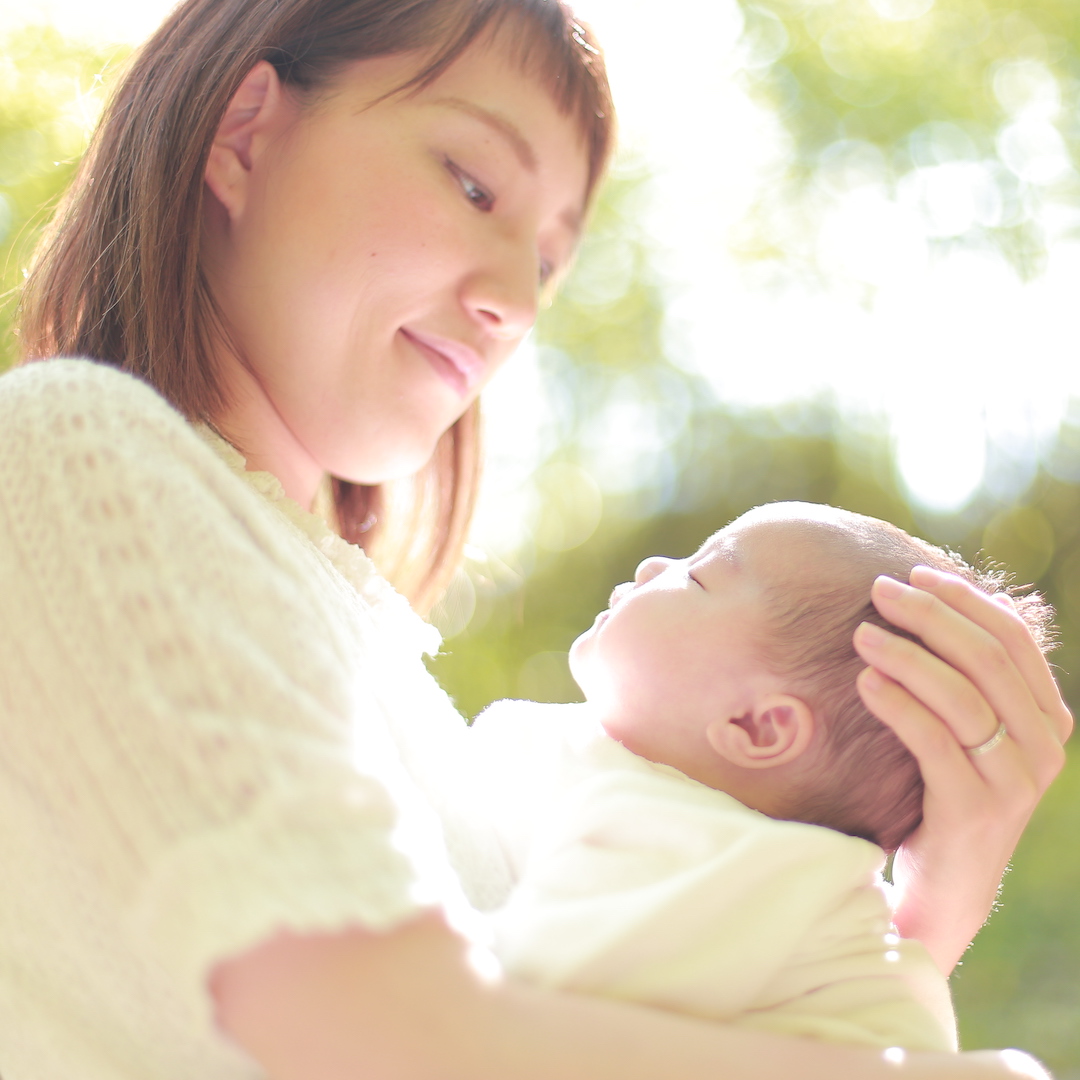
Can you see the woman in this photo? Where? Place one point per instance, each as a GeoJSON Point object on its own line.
{"type": "Point", "coordinates": [316, 228]}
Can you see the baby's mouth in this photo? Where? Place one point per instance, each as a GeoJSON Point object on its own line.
{"type": "Point", "coordinates": [613, 601]}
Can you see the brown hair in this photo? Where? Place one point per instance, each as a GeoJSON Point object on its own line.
{"type": "Point", "coordinates": [868, 783]}
{"type": "Point", "coordinates": [117, 277]}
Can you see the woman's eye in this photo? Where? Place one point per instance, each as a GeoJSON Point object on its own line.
{"type": "Point", "coordinates": [477, 195]}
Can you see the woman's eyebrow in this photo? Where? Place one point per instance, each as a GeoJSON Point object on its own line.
{"type": "Point", "coordinates": [499, 124]}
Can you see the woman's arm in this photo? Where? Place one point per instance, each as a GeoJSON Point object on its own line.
{"type": "Point", "coordinates": [406, 1006]}
{"type": "Point", "coordinates": [948, 873]}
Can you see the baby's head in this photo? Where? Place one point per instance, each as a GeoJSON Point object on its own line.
{"type": "Point", "coordinates": [737, 667]}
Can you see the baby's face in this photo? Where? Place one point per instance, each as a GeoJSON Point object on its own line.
{"type": "Point", "coordinates": [677, 647]}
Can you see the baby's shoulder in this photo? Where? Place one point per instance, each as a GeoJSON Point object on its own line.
{"type": "Point", "coordinates": [537, 727]}
{"type": "Point", "coordinates": [648, 797]}
{"type": "Point", "coordinates": [817, 854]}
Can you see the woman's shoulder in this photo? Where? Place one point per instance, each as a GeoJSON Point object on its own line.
{"type": "Point", "coordinates": [73, 429]}
{"type": "Point", "coordinates": [91, 457]}
{"type": "Point", "coordinates": [69, 399]}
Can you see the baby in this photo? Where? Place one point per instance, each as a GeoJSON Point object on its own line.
{"type": "Point", "coordinates": [668, 833]}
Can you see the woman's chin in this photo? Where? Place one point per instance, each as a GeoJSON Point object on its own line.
{"type": "Point", "coordinates": [359, 467]}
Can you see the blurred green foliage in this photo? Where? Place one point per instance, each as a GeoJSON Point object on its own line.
{"type": "Point", "coordinates": [50, 94]}
{"type": "Point", "coordinates": [861, 95]}
{"type": "Point", "coordinates": [941, 104]}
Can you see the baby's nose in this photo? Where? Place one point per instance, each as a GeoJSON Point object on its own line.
{"type": "Point", "coordinates": [650, 568]}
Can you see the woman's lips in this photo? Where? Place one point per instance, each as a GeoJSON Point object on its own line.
{"type": "Point", "coordinates": [457, 364]}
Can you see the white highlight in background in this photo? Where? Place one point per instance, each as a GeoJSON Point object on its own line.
{"type": "Point", "coordinates": [104, 22]}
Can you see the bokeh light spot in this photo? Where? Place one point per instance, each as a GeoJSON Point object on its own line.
{"type": "Point", "coordinates": [940, 456]}
{"type": "Point", "coordinates": [1034, 150]}
{"type": "Point", "coordinates": [902, 10]}
{"type": "Point", "coordinates": [571, 505]}
{"type": "Point", "coordinates": [1027, 86]}
{"type": "Point", "coordinates": [764, 38]}
{"type": "Point", "coordinates": [454, 611]}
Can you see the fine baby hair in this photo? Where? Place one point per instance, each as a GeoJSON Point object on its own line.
{"type": "Point", "coordinates": [120, 276]}
{"type": "Point", "coordinates": [869, 784]}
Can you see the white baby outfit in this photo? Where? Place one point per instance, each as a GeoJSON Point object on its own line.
{"type": "Point", "coordinates": [215, 724]}
{"type": "Point", "coordinates": [639, 883]}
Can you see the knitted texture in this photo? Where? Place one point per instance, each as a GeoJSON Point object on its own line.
{"type": "Point", "coordinates": [213, 720]}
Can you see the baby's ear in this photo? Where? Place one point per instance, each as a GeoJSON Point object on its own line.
{"type": "Point", "coordinates": [776, 731]}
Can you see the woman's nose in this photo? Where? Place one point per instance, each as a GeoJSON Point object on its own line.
{"type": "Point", "coordinates": [650, 568]}
{"type": "Point", "coordinates": [503, 296]}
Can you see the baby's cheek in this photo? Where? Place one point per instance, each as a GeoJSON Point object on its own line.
{"type": "Point", "coordinates": [624, 657]}
{"type": "Point", "coordinates": [645, 693]}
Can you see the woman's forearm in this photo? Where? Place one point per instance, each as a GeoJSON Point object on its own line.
{"type": "Point", "coordinates": [943, 898]}
{"type": "Point", "coordinates": [406, 1006]}
{"type": "Point", "coordinates": [982, 666]}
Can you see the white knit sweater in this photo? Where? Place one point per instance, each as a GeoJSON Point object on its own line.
{"type": "Point", "coordinates": [215, 723]}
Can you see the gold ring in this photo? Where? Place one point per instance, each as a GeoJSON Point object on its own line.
{"type": "Point", "coordinates": [986, 747]}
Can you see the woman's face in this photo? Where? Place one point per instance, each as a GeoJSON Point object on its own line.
{"type": "Point", "coordinates": [377, 260]}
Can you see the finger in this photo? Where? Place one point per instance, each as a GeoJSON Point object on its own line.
{"type": "Point", "coordinates": [974, 651]}
{"type": "Point", "coordinates": [1004, 1065]}
{"type": "Point", "coordinates": [942, 761]}
{"type": "Point", "coordinates": [945, 692]}
{"type": "Point", "coordinates": [1034, 755]}
{"type": "Point", "coordinates": [1002, 621]}
{"type": "Point", "coordinates": [959, 788]}
{"type": "Point", "coordinates": [999, 616]}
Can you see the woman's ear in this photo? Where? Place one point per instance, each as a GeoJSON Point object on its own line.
{"type": "Point", "coordinates": [776, 731]}
{"type": "Point", "coordinates": [255, 114]}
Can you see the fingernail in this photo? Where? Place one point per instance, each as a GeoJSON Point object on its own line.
{"type": "Point", "coordinates": [869, 634]}
{"type": "Point", "coordinates": [871, 679]}
{"type": "Point", "coordinates": [889, 587]}
{"type": "Point", "coordinates": [928, 574]}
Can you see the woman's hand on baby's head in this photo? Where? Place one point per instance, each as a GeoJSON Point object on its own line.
{"type": "Point", "coordinates": [994, 669]}
{"type": "Point", "coordinates": [988, 669]}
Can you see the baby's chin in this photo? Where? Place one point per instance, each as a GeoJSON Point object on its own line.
{"type": "Point", "coordinates": [577, 651]}
{"type": "Point", "coordinates": [590, 676]}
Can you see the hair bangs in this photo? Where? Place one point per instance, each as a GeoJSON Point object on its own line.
{"type": "Point", "coordinates": [542, 41]}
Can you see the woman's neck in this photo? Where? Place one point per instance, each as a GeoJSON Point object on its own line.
{"type": "Point", "coordinates": [252, 424]}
